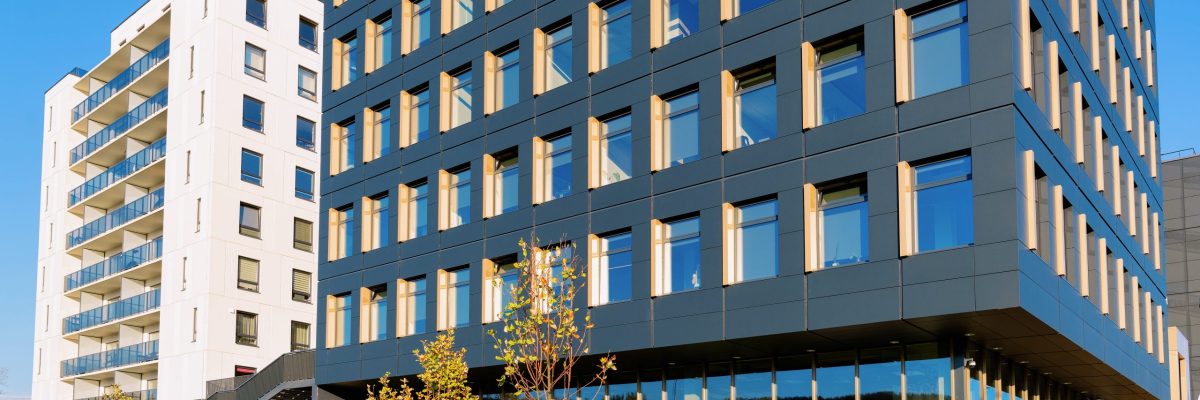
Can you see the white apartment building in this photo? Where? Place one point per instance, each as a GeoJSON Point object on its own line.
{"type": "Point", "coordinates": [176, 239]}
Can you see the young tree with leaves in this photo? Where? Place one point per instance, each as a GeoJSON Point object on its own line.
{"type": "Point", "coordinates": [114, 392]}
{"type": "Point", "coordinates": [543, 339]}
{"type": "Point", "coordinates": [444, 375]}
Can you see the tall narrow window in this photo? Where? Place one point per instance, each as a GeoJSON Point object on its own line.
{"type": "Point", "coordinates": [939, 49]}
{"type": "Point", "coordinates": [300, 336]}
{"type": "Point", "coordinates": [341, 235]}
{"type": "Point", "coordinates": [383, 42]}
{"type": "Point", "coordinates": [302, 234]}
{"type": "Point", "coordinates": [681, 19]}
{"type": "Point", "coordinates": [507, 79]}
{"type": "Point", "coordinates": [616, 33]}
{"type": "Point", "coordinates": [247, 329]}
{"type": "Point", "coordinates": [499, 291]}
{"type": "Point", "coordinates": [252, 113]}
{"type": "Point", "coordinates": [944, 204]}
{"type": "Point", "coordinates": [842, 75]}
{"type": "Point", "coordinates": [558, 61]}
{"type": "Point", "coordinates": [380, 141]}
{"type": "Point", "coordinates": [415, 221]}
{"type": "Point", "coordinates": [344, 139]}
{"type": "Point", "coordinates": [419, 24]}
{"type": "Point", "coordinates": [350, 60]}
{"type": "Point", "coordinates": [256, 62]}
{"type": "Point", "coordinates": [249, 220]}
{"type": "Point", "coordinates": [454, 298]}
{"type": "Point", "coordinates": [754, 249]}
{"type": "Point", "coordinates": [252, 167]}
{"type": "Point", "coordinates": [418, 118]}
{"type": "Point", "coordinates": [376, 222]}
{"type": "Point", "coordinates": [456, 197]}
{"type": "Point", "coordinates": [304, 184]}
{"type": "Point", "coordinates": [247, 274]}
{"type": "Point", "coordinates": [338, 320]}
{"type": "Point", "coordinates": [677, 256]}
{"type": "Point", "coordinates": [202, 106]}
{"type": "Point", "coordinates": [556, 167]}
{"type": "Point", "coordinates": [460, 98]}
{"type": "Point", "coordinates": [754, 110]}
{"type": "Point", "coordinates": [308, 34]}
{"type": "Point", "coordinates": [613, 269]}
{"type": "Point", "coordinates": [680, 133]}
{"type": "Point", "coordinates": [374, 314]}
{"type": "Point", "coordinates": [306, 83]}
{"type": "Point", "coordinates": [301, 286]}
{"type": "Point", "coordinates": [411, 307]}
{"type": "Point", "coordinates": [256, 12]}
{"type": "Point", "coordinates": [461, 13]}
{"type": "Point", "coordinates": [616, 149]}
{"type": "Point", "coordinates": [842, 224]}
{"type": "Point", "coordinates": [504, 181]}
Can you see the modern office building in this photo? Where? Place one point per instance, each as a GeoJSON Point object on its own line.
{"type": "Point", "coordinates": [774, 199]}
{"type": "Point", "coordinates": [1181, 202]}
{"type": "Point", "coordinates": [178, 201]}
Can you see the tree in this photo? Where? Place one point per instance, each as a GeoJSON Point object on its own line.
{"type": "Point", "coordinates": [114, 392]}
{"type": "Point", "coordinates": [543, 340]}
{"type": "Point", "coordinates": [444, 375]}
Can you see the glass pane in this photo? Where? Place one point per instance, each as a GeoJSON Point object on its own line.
{"type": "Point", "coordinates": [835, 376]}
{"type": "Point", "coordinates": [760, 255]}
{"type": "Point", "coordinates": [718, 382]}
{"type": "Point", "coordinates": [753, 380]}
{"type": "Point", "coordinates": [558, 57]}
{"type": "Point", "coordinates": [616, 33]}
{"type": "Point", "coordinates": [421, 21]}
{"type": "Point", "coordinates": [683, 255]}
{"type": "Point", "coordinates": [793, 378]}
{"type": "Point", "coordinates": [508, 80]}
{"type": "Point", "coordinates": [618, 150]}
{"type": "Point", "coordinates": [939, 58]}
{"type": "Point", "coordinates": [683, 19]}
{"type": "Point", "coordinates": [879, 374]}
{"type": "Point", "coordinates": [681, 136]}
{"type": "Point", "coordinates": [943, 15]}
{"type": "Point", "coordinates": [560, 167]}
{"type": "Point", "coordinates": [845, 234]}
{"type": "Point", "coordinates": [384, 42]}
{"type": "Point", "coordinates": [462, 198]}
{"type": "Point", "coordinates": [419, 306]}
{"type": "Point", "coordinates": [421, 210]}
{"type": "Point", "coordinates": [745, 6]}
{"type": "Point", "coordinates": [954, 168]}
{"type": "Point", "coordinates": [461, 107]}
{"type": "Point", "coordinates": [506, 185]}
{"type": "Point", "coordinates": [252, 114]}
{"type": "Point", "coordinates": [383, 130]}
{"type": "Point", "coordinates": [420, 116]}
{"type": "Point", "coordinates": [463, 12]}
{"type": "Point", "coordinates": [305, 130]}
{"type": "Point", "coordinates": [843, 90]}
{"type": "Point", "coordinates": [683, 383]}
{"type": "Point", "coordinates": [755, 112]}
{"type": "Point", "coordinates": [623, 386]}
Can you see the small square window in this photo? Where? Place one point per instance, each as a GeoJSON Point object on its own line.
{"type": "Point", "coordinates": [252, 113]}
{"type": "Point", "coordinates": [308, 34]}
{"type": "Point", "coordinates": [302, 234]}
{"type": "Point", "coordinates": [301, 286]}
{"type": "Point", "coordinates": [306, 83]}
{"type": "Point", "coordinates": [252, 167]}
{"type": "Point", "coordinates": [246, 333]}
{"type": "Point", "coordinates": [300, 336]}
{"type": "Point", "coordinates": [256, 62]}
{"type": "Point", "coordinates": [304, 184]}
{"type": "Point", "coordinates": [306, 133]}
{"type": "Point", "coordinates": [256, 13]}
{"type": "Point", "coordinates": [249, 220]}
{"type": "Point", "coordinates": [247, 274]}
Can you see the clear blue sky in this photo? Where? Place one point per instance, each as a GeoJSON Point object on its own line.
{"type": "Point", "coordinates": [39, 56]}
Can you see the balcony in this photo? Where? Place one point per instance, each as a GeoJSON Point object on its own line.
{"type": "Point", "coordinates": [121, 357]}
{"type": "Point", "coordinates": [126, 214]}
{"type": "Point", "coordinates": [119, 310]}
{"type": "Point", "coordinates": [148, 394]}
{"type": "Point", "coordinates": [117, 264]}
{"type": "Point", "coordinates": [148, 61]}
{"type": "Point", "coordinates": [119, 171]}
{"type": "Point", "coordinates": [126, 123]}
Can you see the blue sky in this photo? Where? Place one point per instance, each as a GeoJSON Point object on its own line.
{"type": "Point", "coordinates": [39, 56]}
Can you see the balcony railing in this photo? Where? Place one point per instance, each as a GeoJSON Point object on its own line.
{"type": "Point", "coordinates": [135, 70]}
{"type": "Point", "coordinates": [128, 212]}
{"type": "Point", "coordinates": [148, 394]}
{"type": "Point", "coordinates": [111, 312]}
{"type": "Point", "coordinates": [124, 261]}
{"type": "Point", "coordinates": [135, 116]}
{"type": "Point", "coordinates": [119, 171]}
{"type": "Point", "coordinates": [128, 355]}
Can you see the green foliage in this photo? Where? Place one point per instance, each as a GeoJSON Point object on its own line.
{"type": "Point", "coordinates": [114, 392]}
{"type": "Point", "coordinates": [444, 376]}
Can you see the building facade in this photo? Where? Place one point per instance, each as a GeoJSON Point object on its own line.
{"type": "Point", "coordinates": [773, 199]}
{"type": "Point", "coordinates": [1181, 182]}
{"type": "Point", "coordinates": [178, 201]}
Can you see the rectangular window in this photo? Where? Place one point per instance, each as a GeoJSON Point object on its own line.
{"type": "Point", "coordinates": [349, 59]}
{"type": "Point", "coordinates": [461, 13]}
{"type": "Point", "coordinates": [754, 245]}
{"type": "Point", "coordinates": [684, 383]}
{"type": "Point", "coordinates": [943, 197]}
{"type": "Point", "coordinates": [740, 7]}
{"type": "Point", "coordinates": [252, 167]}
{"type": "Point", "coordinates": [613, 269]}
{"type": "Point", "coordinates": [306, 83]}
{"type": "Point", "coordinates": [507, 79]}
{"type": "Point", "coordinates": [842, 224]}
{"type": "Point", "coordinates": [454, 292]}
{"type": "Point", "coordinates": [505, 174]}
{"type": "Point", "coordinates": [754, 111]}
{"type": "Point", "coordinates": [380, 139]}
{"type": "Point", "coordinates": [414, 216]}
{"type": "Point", "coordinates": [419, 22]}
{"type": "Point", "coordinates": [377, 211]}
{"type": "Point", "coordinates": [302, 234]}
{"type": "Point", "coordinates": [557, 58]}
{"type": "Point", "coordinates": [300, 336]}
{"type": "Point", "coordinates": [383, 42]}
{"type": "Point", "coordinates": [677, 255]}
{"type": "Point", "coordinates": [341, 241]}
{"type": "Point", "coordinates": [344, 138]}
{"type": "Point", "coordinates": [616, 149]}
{"type": "Point", "coordinates": [842, 75]}
{"type": "Point", "coordinates": [460, 98]}
{"type": "Point", "coordinates": [301, 286]}
{"type": "Point", "coordinates": [411, 307]}
{"type": "Point", "coordinates": [456, 197]}
{"type": "Point", "coordinates": [679, 141]}
{"type": "Point", "coordinates": [417, 128]}
{"type": "Point", "coordinates": [338, 317]}
{"type": "Point", "coordinates": [939, 49]}
{"type": "Point", "coordinates": [247, 275]}
{"type": "Point", "coordinates": [256, 62]}
{"type": "Point", "coordinates": [308, 34]}
{"type": "Point", "coordinates": [256, 12]}
{"type": "Point", "coordinates": [555, 167]}
{"type": "Point", "coordinates": [499, 290]}
{"type": "Point", "coordinates": [681, 19]}
{"type": "Point", "coordinates": [304, 184]}
{"type": "Point", "coordinates": [615, 33]}
{"type": "Point", "coordinates": [252, 113]}
{"type": "Point", "coordinates": [375, 314]}
{"type": "Point", "coordinates": [249, 220]}
{"type": "Point", "coordinates": [247, 329]}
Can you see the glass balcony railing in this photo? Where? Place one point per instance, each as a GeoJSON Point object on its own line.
{"type": "Point", "coordinates": [123, 79]}
{"type": "Point", "coordinates": [148, 394]}
{"type": "Point", "coordinates": [116, 264]}
{"type": "Point", "coordinates": [128, 212]}
{"type": "Point", "coordinates": [119, 171]}
{"type": "Point", "coordinates": [120, 126]}
{"type": "Point", "coordinates": [128, 355]}
{"type": "Point", "coordinates": [111, 312]}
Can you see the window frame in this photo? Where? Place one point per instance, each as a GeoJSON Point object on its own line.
{"type": "Point", "coordinates": [374, 322]}
{"type": "Point", "coordinates": [663, 275]}
{"type": "Point", "coordinates": [736, 268]}
{"type": "Point", "coordinates": [249, 284]}
{"type": "Point", "coordinates": [307, 340]}
{"type": "Point", "coordinates": [257, 20]}
{"type": "Point", "coordinates": [821, 206]}
{"type": "Point", "coordinates": [246, 338]}
{"type": "Point", "coordinates": [667, 130]}
{"type": "Point", "coordinates": [412, 297]}
{"type": "Point", "coordinates": [548, 57]}
{"type": "Point", "coordinates": [302, 91]}
{"type": "Point", "coordinates": [308, 44]}
{"type": "Point", "coordinates": [300, 193]}
{"type": "Point", "coordinates": [547, 164]}
{"type": "Point", "coordinates": [603, 35]}
{"type": "Point", "coordinates": [253, 175]}
{"type": "Point", "coordinates": [297, 242]}
{"type": "Point", "coordinates": [605, 137]}
{"type": "Point", "coordinates": [304, 296]}
{"type": "Point", "coordinates": [257, 72]}
{"type": "Point", "coordinates": [737, 91]}
{"type": "Point", "coordinates": [250, 230]}
{"type": "Point", "coordinates": [602, 293]}
{"type": "Point", "coordinates": [259, 125]}
{"type": "Point", "coordinates": [914, 36]}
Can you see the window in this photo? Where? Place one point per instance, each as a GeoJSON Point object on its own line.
{"type": "Point", "coordinates": [879, 374]}
{"type": "Point", "coordinates": [740, 7]}
{"type": "Point", "coordinates": [251, 167]}
{"type": "Point", "coordinates": [300, 336]}
{"type": "Point", "coordinates": [680, 19]}
{"type": "Point", "coordinates": [612, 275]}
{"type": "Point", "coordinates": [616, 149]}
{"type": "Point", "coordinates": [338, 320]}
{"type": "Point", "coordinates": [308, 34]}
{"type": "Point", "coordinates": [506, 82]}
{"type": "Point", "coordinates": [376, 219]}
{"type": "Point", "coordinates": [418, 23]}
{"type": "Point", "coordinates": [504, 181]}
{"type": "Point", "coordinates": [302, 234]}
{"type": "Point", "coordinates": [306, 83]}
{"type": "Point", "coordinates": [414, 217]}
{"type": "Point", "coordinates": [256, 12]}
{"type": "Point", "coordinates": [256, 61]}
{"type": "Point", "coordinates": [461, 13]}
{"type": "Point", "coordinates": [301, 286]}
{"type": "Point", "coordinates": [380, 140]}
{"type": "Point", "coordinates": [685, 382]}
{"type": "Point", "coordinates": [344, 138]}
{"type": "Point", "coordinates": [247, 329]}
{"type": "Point", "coordinates": [677, 255]}
{"type": "Point", "coordinates": [411, 306]}
{"type": "Point", "coordinates": [417, 128]}
{"type": "Point", "coordinates": [249, 220]}
{"type": "Point", "coordinates": [557, 59]}
{"type": "Point", "coordinates": [943, 197]}
{"type": "Point", "coordinates": [341, 240]}
{"type": "Point", "coordinates": [615, 33]}
{"type": "Point", "coordinates": [454, 298]}
{"type": "Point", "coordinates": [382, 46]}
{"type": "Point", "coordinates": [842, 224]}
{"type": "Point", "coordinates": [754, 112]}
{"type": "Point", "coordinates": [252, 113]}
{"type": "Point", "coordinates": [555, 167]}
{"type": "Point", "coordinates": [679, 141]}
{"type": "Point", "coordinates": [499, 291]}
{"type": "Point", "coordinates": [347, 61]}
{"type": "Point", "coordinates": [755, 245]}
{"type": "Point", "coordinates": [459, 105]}
{"type": "Point", "coordinates": [456, 197]}
{"type": "Point", "coordinates": [247, 274]}
{"type": "Point", "coordinates": [842, 75]}
{"type": "Point", "coordinates": [374, 314]}
{"type": "Point", "coordinates": [304, 184]}
{"type": "Point", "coordinates": [939, 49]}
